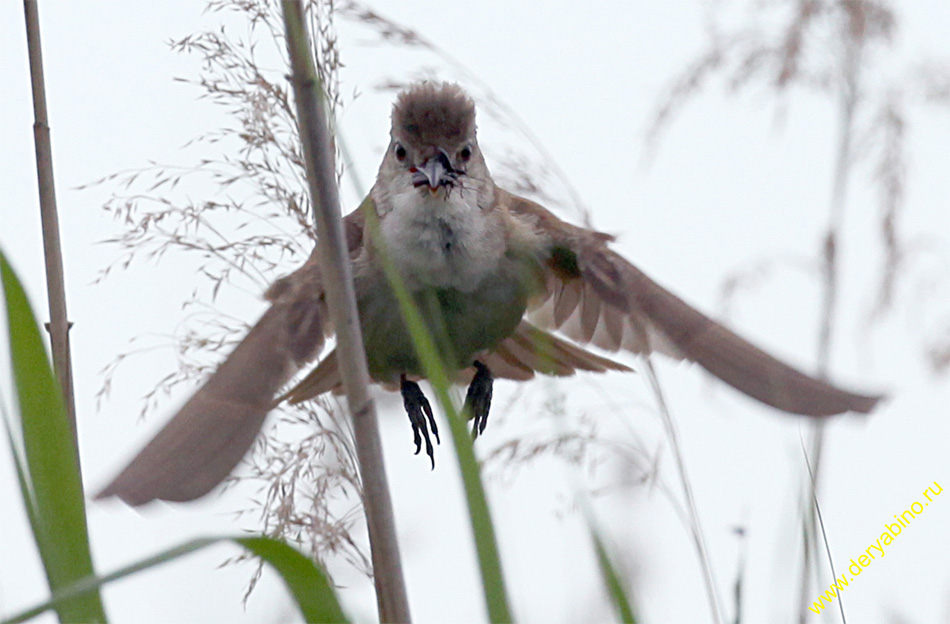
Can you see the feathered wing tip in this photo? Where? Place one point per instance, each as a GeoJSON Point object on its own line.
{"type": "Point", "coordinates": [721, 351]}
{"type": "Point", "coordinates": [596, 296]}
{"type": "Point", "coordinates": [213, 431]}
{"type": "Point", "coordinates": [431, 113]}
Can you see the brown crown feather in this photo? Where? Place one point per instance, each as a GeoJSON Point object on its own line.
{"type": "Point", "coordinates": [432, 114]}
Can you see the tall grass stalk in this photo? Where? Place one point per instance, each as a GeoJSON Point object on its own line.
{"type": "Point", "coordinates": [43, 448]}
{"type": "Point", "coordinates": [821, 528]}
{"type": "Point", "coordinates": [391, 597]}
{"type": "Point", "coordinates": [693, 522]}
{"type": "Point", "coordinates": [483, 530]}
{"type": "Point", "coordinates": [848, 90]}
{"type": "Point", "coordinates": [486, 545]}
{"type": "Point", "coordinates": [59, 325]}
{"type": "Point", "coordinates": [842, 50]}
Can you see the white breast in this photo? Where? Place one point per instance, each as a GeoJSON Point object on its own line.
{"type": "Point", "coordinates": [445, 242]}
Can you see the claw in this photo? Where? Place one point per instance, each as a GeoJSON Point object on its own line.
{"type": "Point", "coordinates": [418, 409]}
{"type": "Point", "coordinates": [478, 398]}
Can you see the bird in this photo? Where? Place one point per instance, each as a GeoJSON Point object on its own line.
{"type": "Point", "coordinates": [495, 275]}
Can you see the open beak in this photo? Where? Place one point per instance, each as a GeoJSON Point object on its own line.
{"type": "Point", "coordinates": [435, 172]}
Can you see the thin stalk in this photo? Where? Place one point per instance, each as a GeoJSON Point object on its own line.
{"type": "Point", "coordinates": [696, 529]}
{"type": "Point", "coordinates": [58, 326]}
{"type": "Point", "coordinates": [486, 544]}
{"type": "Point", "coordinates": [821, 523]}
{"type": "Point", "coordinates": [849, 99]}
{"type": "Point", "coordinates": [391, 597]}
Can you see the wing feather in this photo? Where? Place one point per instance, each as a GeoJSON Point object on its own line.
{"type": "Point", "coordinates": [214, 429]}
{"type": "Point", "coordinates": [594, 295]}
{"type": "Point", "coordinates": [530, 349]}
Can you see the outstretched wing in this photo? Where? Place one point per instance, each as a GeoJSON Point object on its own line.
{"type": "Point", "coordinates": [209, 435]}
{"type": "Point", "coordinates": [595, 296]}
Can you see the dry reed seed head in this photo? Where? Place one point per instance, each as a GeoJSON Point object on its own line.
{"type": "Point", "coordinates": [428, 114]}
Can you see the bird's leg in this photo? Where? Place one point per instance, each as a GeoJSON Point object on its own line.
{"type": "Point", "coordinates": [418, 408]}
{"type": "Point", "coordinates": [478, 398]}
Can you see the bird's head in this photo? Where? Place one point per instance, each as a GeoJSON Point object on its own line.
{"type": "Point", "coordinates": [432, 143]}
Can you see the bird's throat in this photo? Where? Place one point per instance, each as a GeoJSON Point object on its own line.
{"type": "Point", "coordinates": [443, 240]}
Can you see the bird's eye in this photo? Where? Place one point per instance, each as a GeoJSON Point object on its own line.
{"type": "Point", "coordinates": [400, 152]}
{"type": "Point", "coordinates": [465, 153]}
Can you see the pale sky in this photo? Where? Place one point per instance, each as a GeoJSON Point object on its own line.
{"type": "Point", "coordinates": [736, 180]}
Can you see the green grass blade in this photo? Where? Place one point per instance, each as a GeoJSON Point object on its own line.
{"type": "Point", "coordinates": [306, 582]}
{"type": "Point", "coordinates": [51, 478]}
{"type": "Point", "coordinates": [611, 578]}
{"type": "Point", "coordinates": [486, 544]}
{"type": "Point", "coordinates": [20, 464]}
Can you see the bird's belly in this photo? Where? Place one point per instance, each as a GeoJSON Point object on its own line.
{"type": "Point", "coordinates": [462, 323]}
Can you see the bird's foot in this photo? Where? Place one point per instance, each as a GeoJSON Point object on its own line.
{"type": "Point", "coordinates": [478, 398]}
{"type": "Point", "coordinates": [418, 409]}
